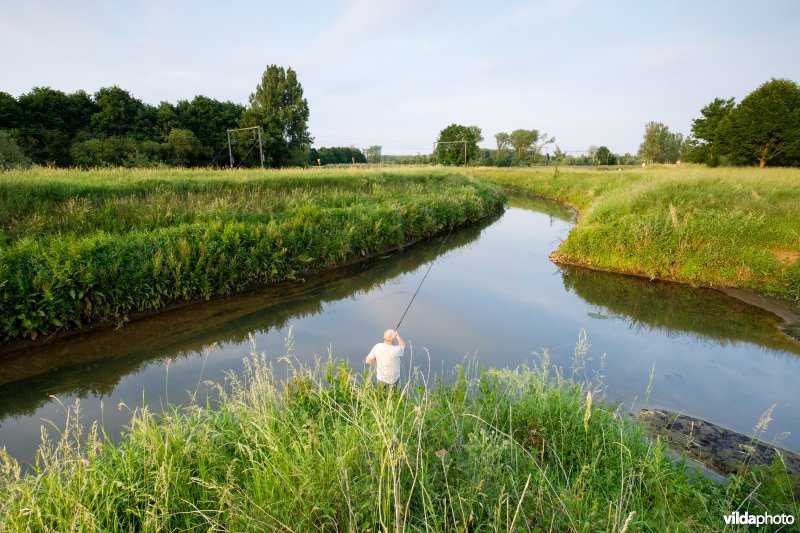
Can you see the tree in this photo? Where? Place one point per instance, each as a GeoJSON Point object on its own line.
{"type": "Point", "coordinates": [450, 147]}
{"type": "Point", "coordinates": [118, 113]}
{"type": "Point", "coordinates": [503, 140]}
{"type": "Point", "coordinates": [278, 106]}
{"type": "Point", "coordinates": [603, 156]}
{"type": "Point", "coordinates": [11, 155]}
{"type": "Point", "coordinates": [373, 154]}
{"type": "Point", "coordinates": [9, 111]}
{"type": "Point", "coordinates": [659, 144]}
{"type": "Point", "coordinates": [184, 145]}
{"type": "Point", "coordinates": [703, 145]}
{"type": "Point", "coordinates": [209, 120]}
{"type": "Point", "coordinates": [764, 127]}
{"type": "Point", "coordinates": [522, 141]}
{"type": "Point", "coordinates": [46, 125]}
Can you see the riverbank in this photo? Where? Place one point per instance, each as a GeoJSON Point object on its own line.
{"type": "Point", "coordinates": [501, 449]}
{"type": "Point", "coordinates": [99, 246]}
{"type": "Point", "coordinates": [720, 228]}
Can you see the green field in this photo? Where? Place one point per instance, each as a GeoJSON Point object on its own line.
{"type": "Point", "coordinates": [721, 227]}
{"type": "Point", "coordinates": [95, 246]}
{"type": "Point", "coordinates": [522, 450]}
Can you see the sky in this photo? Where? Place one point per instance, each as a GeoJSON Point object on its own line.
{"type": "Point", "coordinates": [395, 73]}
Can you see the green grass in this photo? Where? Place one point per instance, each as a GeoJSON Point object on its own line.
{"type": "Point", "coordinates": [736, 227]}
{"type": "Point", "coordinates": [512, 450]}
{"type": "Point", "coordinates": [95, 246]}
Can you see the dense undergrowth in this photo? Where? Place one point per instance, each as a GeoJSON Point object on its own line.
{"type": "Point", "coordinates": [78, 247]}
{"type": "Point", "coordinates": [520, 450]}
{"type": "Point", "coordinates": [719, 227]}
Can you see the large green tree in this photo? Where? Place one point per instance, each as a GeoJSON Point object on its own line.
{"type": "Point", "coordinates": [706, 130]}
{"type": "Point", "coordinates": [209, 120]}
{"type": "Point", "coordinates": [49, 120]}
{"type": "Point", "coordinates": [765, 127]}
{"type": "Point", "coordinates": [120, 114]}
{"type": "Point", "coordinates": [458, 144]}
{"type": "Point", "coordinates": [278, 106]}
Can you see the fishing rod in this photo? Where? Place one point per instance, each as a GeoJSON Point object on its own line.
{"type": "Point", "coordinates": [423, 278]}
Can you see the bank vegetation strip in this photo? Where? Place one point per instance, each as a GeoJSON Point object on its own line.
{"type": "Point", "coordinates": [96, 246]}
{"type": "Point", "coordinates": [321, 448]}
{"type": "Point", "coordinates": [719, 227]}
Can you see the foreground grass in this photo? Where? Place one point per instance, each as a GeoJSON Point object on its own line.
{"type": "Point", "coordinates": [719, 227]}
{"type": "Point", "coordinates": [502, 450]}
{"type": "Point", "coordinates": [79, 247]}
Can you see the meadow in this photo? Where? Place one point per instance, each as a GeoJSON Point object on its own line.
{"type": "Point", "coordinates": [719, 227]}
{"type": "Point", "coordinates": [80, 247]}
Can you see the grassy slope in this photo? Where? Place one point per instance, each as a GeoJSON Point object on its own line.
{"type": "Point", "coordinates": [95, 246]}
{"type": "Point", "coordinates": [505, 450]}
{"type": "Point", "coordinates": [719, 227]}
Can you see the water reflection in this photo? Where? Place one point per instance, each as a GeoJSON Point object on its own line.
{"type": "Point", "coordinates": [698, 313]}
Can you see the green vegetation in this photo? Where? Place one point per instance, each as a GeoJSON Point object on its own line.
{"type": "Point", "coordinates": [763, 129]}
{"type": "Point", "coordinates": [458, 145]}
{"type": "Point", "coordinates": [503, 450]}
{"type": "Point", "coordinates": [716, 227]}
{"type": "Point", "coordinates": [79, 247]}
{"type": "Point", "coordinates": [112, 128]}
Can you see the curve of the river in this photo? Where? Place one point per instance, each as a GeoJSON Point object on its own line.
{"type": "Point", "coordinates": [492, 296]}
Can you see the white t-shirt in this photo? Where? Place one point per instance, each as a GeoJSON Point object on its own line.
{"type": "Point", "coordinates": [387, 361]}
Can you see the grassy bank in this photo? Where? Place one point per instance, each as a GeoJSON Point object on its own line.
{"type": "Point", "coordinates": [502, 450]}
{"type": "Point", "coordinates": [78, 247]}
{"type": "Point", "coordinates": [718, 227]}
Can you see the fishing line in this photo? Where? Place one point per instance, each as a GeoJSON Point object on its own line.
{"type": "Point", "coordinates": [424, 278]}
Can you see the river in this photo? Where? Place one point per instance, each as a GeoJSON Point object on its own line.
{"type": "Point", "coordinates": [492, 298]}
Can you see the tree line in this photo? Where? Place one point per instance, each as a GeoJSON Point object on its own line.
{"type": "Point", "coordinates": [111, 127]}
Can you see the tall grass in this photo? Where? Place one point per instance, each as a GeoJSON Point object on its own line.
{"type": "Point", "coordinates": [720, 227]}
{"type": "Point", "coordinates": [323, 448]}
{"type": "Point", "coordinates": [81, 247]}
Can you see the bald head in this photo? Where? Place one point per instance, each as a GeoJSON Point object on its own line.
{"type": "Point", "coordinates": [389, 335]}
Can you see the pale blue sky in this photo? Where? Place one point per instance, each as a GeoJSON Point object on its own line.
{"type": "Point", "coordinates": [396, 73]}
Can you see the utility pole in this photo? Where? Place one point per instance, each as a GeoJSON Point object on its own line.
{"type": "Point", "coordinates": [260, 144]}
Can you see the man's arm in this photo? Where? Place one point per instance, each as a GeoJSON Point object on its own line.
{"type": "Point", "coordinates": [400, 341]}
{"type": "Point", "coordinates": [370, 359]}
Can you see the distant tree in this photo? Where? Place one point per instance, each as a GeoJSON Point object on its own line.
{"type": "Point", "coordinates": [210, 120]}
{"type": "Point", "coordinates": [373, 154]}
{"type": "Point", "coordinates": [659, 144]}
{"type": "Point", "coordinates": [118, 114]}
{"type": "Point", "coordinates": [47, 124]}
{"type": "Point", "coordinates": [185, 146]}
{"type": "Point", "coordinates": [764, 127]}
{"type": "Point", "coordinates": [523, 140]}
{"type": "Point", "coordinates": [9, 111]}
{"type": "Point", "coordinates": [593, 153]}
{"type": "Point", "coordinates": [449, 148]}
{"type": "Point", "coordinates": [11, 155]}
{"type": "Point", "coordinates": [166, 119]}
{"type": "Point", "coordinates": [278, 106]}
{"type": "Point", "coordinates": [603, 156]}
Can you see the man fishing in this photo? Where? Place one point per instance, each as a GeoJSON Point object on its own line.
{"type": "Point", "coordinates": [387, 356]}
